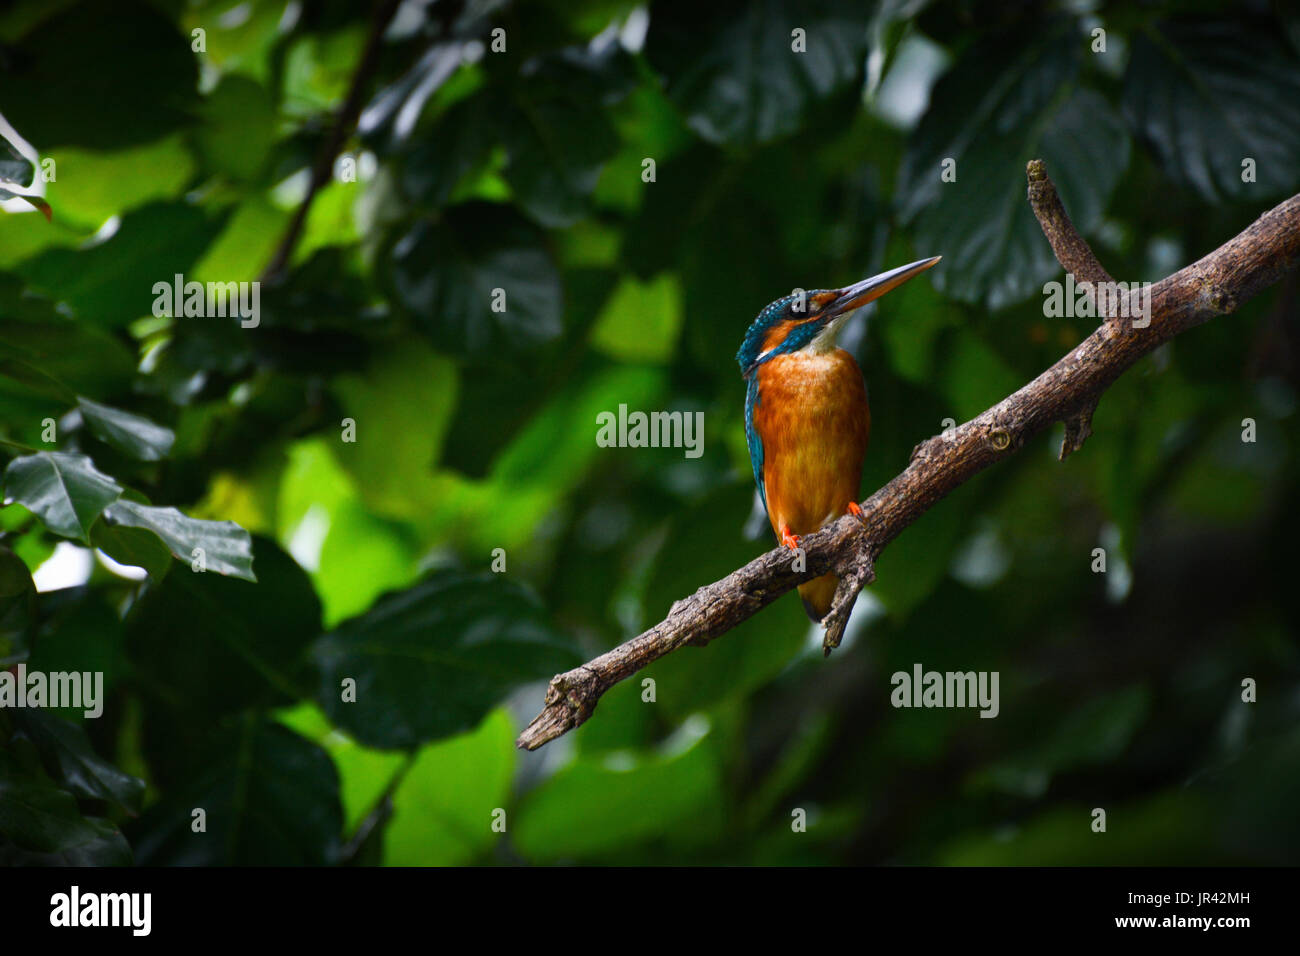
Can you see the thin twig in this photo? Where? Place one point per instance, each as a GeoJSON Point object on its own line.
{"type": "Point", "coordinates": [1215, 285]}
{"type": "Point", "coordinates": [344, 123]}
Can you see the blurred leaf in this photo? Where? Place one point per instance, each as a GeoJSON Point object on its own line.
{"type": "Point", "coordinates": [512, 401]}
{"type": "Point", "coordinates": [596, 808]}
{"type": "Point", "coordinates": [975, 377]}
{"type": "Point", "coordinates": [318, 68]}
{"type": "Point", "coordinates": [557, 138]}
{"type": "Point", "coordinates": [401, 407]}
{"type": "Point", "coordinates": [244, 246]}
{"type": "Point", "coordinates": [733, 70]}
{"type": "Point", "coordinates": [910, 569]}
{"type": "Point", "coordinates": [238, 128]}
{"type": "Point", "coordinates": [443, 809]}
{"type": "Point", "coordinates": [51, 97]}
{"type": "Point", "coordinates": [133, 434]}
{"type": "Point", "coordinates": [112, 283]}
{"type": "Point", "coordinates": [364, 774]}
{"type": "Point", "coordinates": [1154, 828]}
{"type": "Point", "coordinates": [65, 491]}
{"type": "Point", "coordinates": [397, 105]}
{"type": "Point", "coordinates": [441, 157]}
{"type": "Point", "coordinates": [640, 322]}
{"type": "Point", "coordinates": [431, 661]}
{"type": "Point", "coordinates": [40, 825]}
{"type": "Point", "coordinates": [270, 798]}
{"type": "Point", "coordinates": [1096, 731]}
{"type": "Point", "coordinates": [447, 274]}
{"type": "Point", "coordinates": [991, 114]}
{"type": "Point", "coordinates": [93, 185]}
{"type": "Point", "coordinates": [80, 630]}
{"type": "Point", "coordinates": [1207, 96]}
{"type": "Point", "coordinates": [17, 608]}
{"type": "Point", "coordinates": [70, 760]}
{"type": "Point", "coordinates": [227, 548]}
{"type": "Point", "coordinates": [78, 357]}
{"type": "Point", "coordinates": [212, 645]}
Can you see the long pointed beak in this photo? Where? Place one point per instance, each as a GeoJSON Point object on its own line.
{"type": "Point", "coordinates": [860, 293]}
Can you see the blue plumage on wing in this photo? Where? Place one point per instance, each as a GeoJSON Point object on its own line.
{"type": "Point", "coordinates": [752, 399]}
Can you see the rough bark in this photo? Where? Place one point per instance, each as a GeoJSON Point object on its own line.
{"type": "Point", "coordinates": [1067, 392]}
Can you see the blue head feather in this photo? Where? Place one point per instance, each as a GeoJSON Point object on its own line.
{"type": "Point", "coordinates": [782, 309]}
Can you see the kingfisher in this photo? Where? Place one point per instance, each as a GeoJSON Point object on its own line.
{"type": "Point", "coordinates": [807, 420]}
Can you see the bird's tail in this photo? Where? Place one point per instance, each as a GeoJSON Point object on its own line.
{"type": "Point", "coordinates": [818, 594]}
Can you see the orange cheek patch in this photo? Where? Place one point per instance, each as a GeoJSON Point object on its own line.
{"type": "Point", "coordinates": [776, 334]}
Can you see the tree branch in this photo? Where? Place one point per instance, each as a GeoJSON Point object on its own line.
{"type": "Point", "coordinates": [1066, 392]}
{"type": "Point", "coordinates": [323, 168]}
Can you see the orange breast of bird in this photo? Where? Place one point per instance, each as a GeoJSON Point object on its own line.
{"type": "Point", "coordinates": [814, 422]}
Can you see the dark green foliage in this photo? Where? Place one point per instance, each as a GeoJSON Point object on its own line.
{"type": "Point", "coordinates": [373, 522]}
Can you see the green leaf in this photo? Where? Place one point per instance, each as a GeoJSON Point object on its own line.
{"type": "Point", "coordinates": [212, 645]}
{"type": "Point", "coordinates": [93, 185]}
{"type": "Point", "coordinates": [270, 797]}
{"type": "Point", "coordinates": [226, 547]}
{"type": "Point", "coordinates": [1206, 96]}
{"type": "Point", "coordinates": [442, 811]}
{"type": "Point", "coordinates": [446, 274]}
{"type": "Point", "coordinates": [597, 807]}
{"type": "Point", "coordinates": [133, 434]}
{"type": "Point", "coordinates": [557, 138]}
{"type": "Point", "coordinates": [441, 157]}
{"type": "Point", "coordinates": [40, 825]}
{"type": "Point", "coordinates": [80, 630]}
{"type": "Point", "coordinates": [71, 761]}
{"type": "Point", "coordinates": [238, 130]}
{"type": "Point", "coordinates": [431, 661]}
{"type": "Point", "coordinates": [65, 491]}
{"type": "Point", "coordinates": [17, 608]}
{"type": "Point", "coordinates": [134, 547]}
{"type": "Point", "coordinates": [111, 283]}
{"type": "Point", "coordinates": [401, 405]}
{"type": "Point", "coordinates": [991, 114]}
{"type": "Point", "coordinates": [71, 356]}
{"type": "Point", "coordinates": [732, 69]}
{"type": "Point", "coordinates": [75, 79]}
{"type": "Point", "coordinates": [641, 321]}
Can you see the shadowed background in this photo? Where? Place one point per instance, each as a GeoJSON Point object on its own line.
{"type": "Point", "coordinates": [525, 169]}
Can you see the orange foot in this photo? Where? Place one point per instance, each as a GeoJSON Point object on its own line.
{"type": "Point", "coordinates": [856, 511]}
{"type": "Point", "coordinates": [789, 540]}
